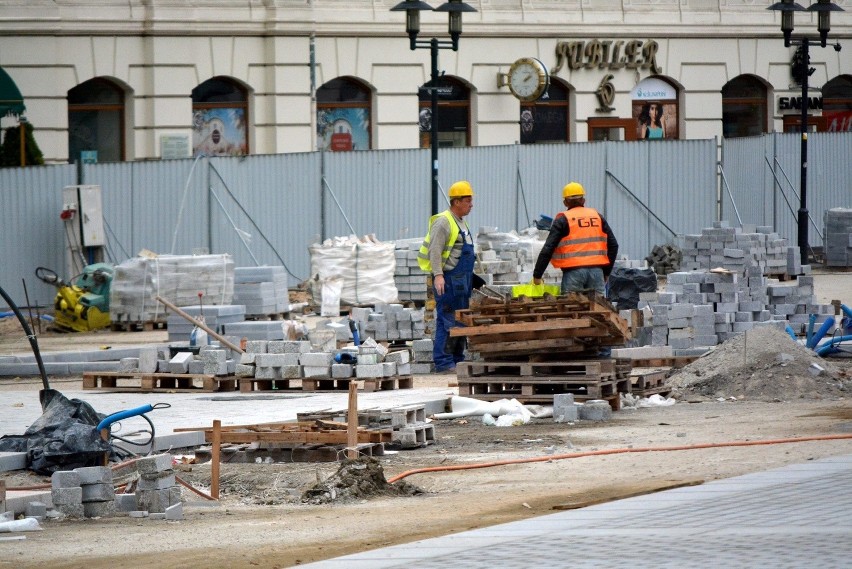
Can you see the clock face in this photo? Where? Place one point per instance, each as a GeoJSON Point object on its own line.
{"type": "Point", "coordinates": [527, 79]}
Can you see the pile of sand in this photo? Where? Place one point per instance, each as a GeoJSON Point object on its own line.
{"type": "Point", "coordinates": [764, 364]}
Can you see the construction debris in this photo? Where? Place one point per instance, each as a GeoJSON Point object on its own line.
{"type": "Point", "coordinates": [355, 480]}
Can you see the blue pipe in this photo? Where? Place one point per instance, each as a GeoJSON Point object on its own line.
{"type": "Point", "coordinates": [823, 330]}
{"type": "Point", "coordinates": [107, 421]}
{"type": "Point", "coordinates": [831, 344]}
{"type": "Point", "coordinates": [810, 333]}
{"type": "Point", "coordinates": [791, 333]}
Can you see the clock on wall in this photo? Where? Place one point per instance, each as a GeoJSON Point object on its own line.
{"type": "Point", "coordinates": [528, 79]}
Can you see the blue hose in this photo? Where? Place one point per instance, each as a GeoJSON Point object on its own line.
{"type": "Point", "coordinates": [791, 333]}
{"type": "Point", "coordinates": [107, 421]}
{"type": "Point", "coordinates": [823, 330]}
{"type": "Point", "coordinates": [830, 345]}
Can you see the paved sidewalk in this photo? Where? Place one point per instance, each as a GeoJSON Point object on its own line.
{"type": "Point", "coordinates": [798, 516]}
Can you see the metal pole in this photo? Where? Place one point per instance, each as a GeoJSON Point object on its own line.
{"type": "Point", "coordinates": [803, 202]}
{"type": "Point", "coordinates": [434, 134]}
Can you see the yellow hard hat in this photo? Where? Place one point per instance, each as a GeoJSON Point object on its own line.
{"type": "Point", "coordinates": [461, 189]}
{"type": "Point", "coordinates": [573, 190]}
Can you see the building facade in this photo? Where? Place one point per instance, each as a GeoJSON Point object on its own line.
{"type": "Point", "coordinates": [147, 79]}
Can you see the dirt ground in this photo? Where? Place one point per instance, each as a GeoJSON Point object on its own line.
{"type": "Point", "coordinates": [762, 388]}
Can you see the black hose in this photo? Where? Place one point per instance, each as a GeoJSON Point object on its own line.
{"type": "Point", "coordinates": [30, 336]}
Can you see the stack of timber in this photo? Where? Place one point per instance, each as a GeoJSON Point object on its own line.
{"type": "Point", "coordinates": [533, 348]}
{"type": "Point", "coordinates": [303, 441]}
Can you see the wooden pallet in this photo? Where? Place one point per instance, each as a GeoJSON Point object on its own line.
{"type": "Point", "coordinates": [249, 384]}
{"type": "Point", "coordinates": [272, 316]}
{"type": "Point", "coordinates": [171, 382]}
{"type": "Point", "coordinates": [671, 361]}
{"type": "Point", "coordinates": [371, 384]}
{"type": "Point", "coordinates": [603, 369]}
{"type": "Point", "coordinates": [299, 453]}
{"type": "Point", "coordinates": [648, 381]}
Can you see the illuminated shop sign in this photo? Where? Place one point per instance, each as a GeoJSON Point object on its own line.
{"type": "Point", "coordinates": [607, 54]}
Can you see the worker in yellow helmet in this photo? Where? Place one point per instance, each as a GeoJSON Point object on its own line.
{"type": "Point", "coordinates": [447, 252]}
{"type": "Point", "coordinates": [580, 242]}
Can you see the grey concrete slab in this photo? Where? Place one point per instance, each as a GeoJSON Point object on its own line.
{"type": "Point", "coordinates": [799, 516]}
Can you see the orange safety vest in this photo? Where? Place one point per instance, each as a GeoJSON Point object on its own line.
{"type": "Point", "coordinates": [585, 244]}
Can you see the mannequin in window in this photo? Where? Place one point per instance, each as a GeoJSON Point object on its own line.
{"type": "Point", "coordinates": [652, 121]}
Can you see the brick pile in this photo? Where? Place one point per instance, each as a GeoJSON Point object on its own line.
{"type": "Point", "coordinates": [838, 237]}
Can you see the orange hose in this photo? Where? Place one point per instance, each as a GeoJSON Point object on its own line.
{"type": "Point", "coordinates": [548, 458]}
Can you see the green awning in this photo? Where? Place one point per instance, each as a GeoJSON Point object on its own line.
{"type": "Point", "coordinates": [11, 101]}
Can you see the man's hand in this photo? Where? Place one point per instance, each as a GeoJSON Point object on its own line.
{"type": "Point", "coordinates": [439, 284]}
{"type": "Point", "coordinates": [538, 281]}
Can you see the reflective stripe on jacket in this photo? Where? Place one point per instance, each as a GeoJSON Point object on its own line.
{"type": "Point", "coordinates": [585, 244]}
{"type": "Point", "coordinates": [423, 254]}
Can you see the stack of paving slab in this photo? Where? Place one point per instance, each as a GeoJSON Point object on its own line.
{"type": "Point", "coordinates": [215, 318]}
{"type": "Point", "coordinates": [262, 290]}
{"type": "Point", "coordinates": [67, 363]}
{"type": "Point", "coordinates": [838, 237]}
{"type": "Point", "coordinates": [84, 492]}
{"type": "Point", "coordinates": [698, 309]}
{"type": "Point", "coordinates": [298, 359]}
{"type": "Point", "coordinates": [408, 425]}
{"type": "Point", "coordinates": [410, 280]}
{"type": "Point", "coordinates": [424, 360]}
{"type": "Point", "coordinates": [176, 278]}
{"type": "Point", "coordinates": [738, 248]}
{"type": "Point", "coordinates": [509, 258]}
{"type": "Point", "coordinates": [387, 322]}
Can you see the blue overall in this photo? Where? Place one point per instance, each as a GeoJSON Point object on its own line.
{"type": "Point", "coordinates": [457, 290]}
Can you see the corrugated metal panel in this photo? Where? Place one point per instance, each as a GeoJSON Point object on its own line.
{"type": "Point", "coordinates": [764, 174]}
{"type": "Point", "coordinates": [31, 232]}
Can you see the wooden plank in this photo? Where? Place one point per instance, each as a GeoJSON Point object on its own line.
{"type": "Point", "coordinates": [300, 437]}
{"type": "Point", "coordinates": [561, 324]}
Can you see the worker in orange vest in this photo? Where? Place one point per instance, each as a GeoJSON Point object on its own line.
{"type": "Point", "coordinates": [580, 243]}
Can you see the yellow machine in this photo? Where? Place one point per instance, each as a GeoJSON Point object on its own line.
{"type": "Point", "coordinates": [84, 305]}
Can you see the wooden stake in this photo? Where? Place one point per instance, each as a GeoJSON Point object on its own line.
{"type": "Point", "coordinates": [181, 313]}
{"type": "Point", "coordinates": [214, 467]}
{"type": "Point", "coordinates": [352, 421]}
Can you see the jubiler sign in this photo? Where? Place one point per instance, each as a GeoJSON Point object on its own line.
{"type": "Point", "coordinates": [607, 54]}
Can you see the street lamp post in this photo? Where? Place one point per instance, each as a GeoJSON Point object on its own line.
{"type": "Point", "coordinates": [412, 10]}
{"type": "Point", "coordinates": [823, 8]}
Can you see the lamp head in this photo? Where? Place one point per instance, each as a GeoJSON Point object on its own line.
{"type": "Point", "coordinates": [786, 7]}
{"type": "Point", "coordinates": [455, 9]}
{"type": "Point", "coordinates": [412, 10]}
{"type": "Point", "coordinates": [824, 8]}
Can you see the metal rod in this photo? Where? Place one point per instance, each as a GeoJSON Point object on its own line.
{"type": "Point", "coordinates": [730, 195]}
{"type": "Point", "coordinates": [433, 45]}
{"type": "Point", "coordinates": [803, 195]}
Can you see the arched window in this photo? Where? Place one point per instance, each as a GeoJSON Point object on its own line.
{"type": "Point", "coordinates": [96, 122]}
{"type": "Point", "coordinates": [837, 104]}
{"type": "Point", "coordinates": [546, 120]}
{"type": "Point", "coordinates": [220, 118]}
{"type": "Point", "coordinates": [744, 107]}
{"type": "Point", "coordinates": [343, 115]}
{"type": "Point", "coordinates": [655, 109]}
{"type": "Point", "coordinates": [453, 113]}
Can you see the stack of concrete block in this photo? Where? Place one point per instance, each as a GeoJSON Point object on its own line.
{"type": "Point", "coordinates": [272, 359]}
{"type": "Point", "coordinates": [384, 322]}
{"type": "Point", "coordinates": [66, 493]}
{"type": "Point", "coordinates": [424, 361]}
{"type": "Point", "coordinates": [737, 248]}
{"type": "Point", "coordinates": [98, 494]}
{"type": "Point", "coordinates": [255, 330]}
{"type": "Point", "coordinates": [211, 360]}
{"type": "Point", "coordinates": [509, 258]}
{"type": "Point", "coordinates": [262, 290]}
{"type": "Point", "coordinates": [408, 425]}
{"type": "Point", "coordinates": [699, 309]}
{"type": "Point", "coordinates": [157, 491]}
{"type": "Point", "coordinates": [838, 237]}
{"type": "Point", "coordinates": [177, 278]}
{"type": "Point", "coordinates": [215, 318]}
{"type": "Point", "coordinates": [410, 280]}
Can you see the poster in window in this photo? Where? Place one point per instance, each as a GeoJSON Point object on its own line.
{"type": "Point", "coordinates": [343, 129]}
{"type": "Point", "coordinates": [219, 132]}
{"type": "Point", "coordinates": [655, 120]}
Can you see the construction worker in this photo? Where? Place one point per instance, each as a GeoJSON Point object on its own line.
{"type": "Point", "coordinates": [580, 243]}
{"type": "Point", "coordinates": [447, 253]}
